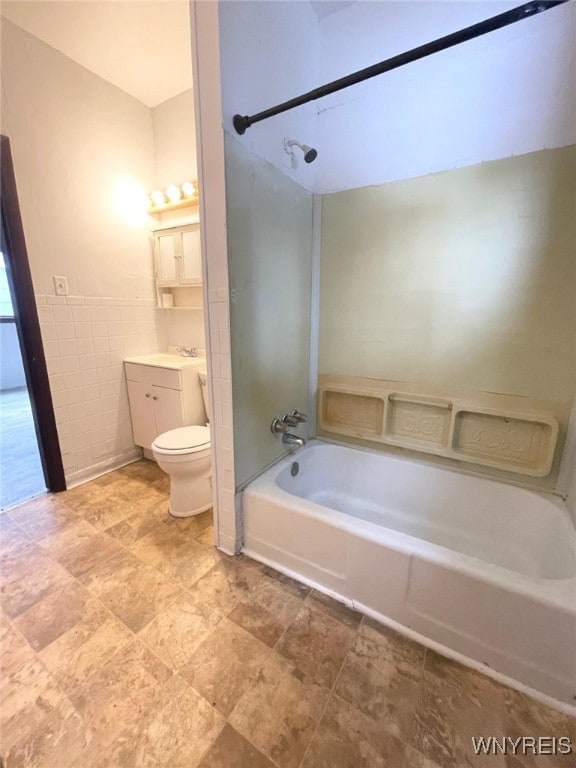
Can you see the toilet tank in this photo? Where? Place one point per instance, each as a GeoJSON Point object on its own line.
{"type": "Point", "coordinates": [203, 377]}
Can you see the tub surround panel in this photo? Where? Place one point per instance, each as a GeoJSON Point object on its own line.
{"type": "Point", "coordinates": [86, 339]}
{"type": "Point", "coordinates": [269, 226]}
{"type": "Point", "coordinates": [517, 438]}
{"type": "Point", "coordinates": [464, 279]}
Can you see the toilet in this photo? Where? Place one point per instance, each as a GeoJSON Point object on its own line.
{"type": "Point", "coordinates": [185, 454]}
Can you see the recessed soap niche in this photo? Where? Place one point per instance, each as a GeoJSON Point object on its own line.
{"type": "Point", "coordinates": [518, 442]}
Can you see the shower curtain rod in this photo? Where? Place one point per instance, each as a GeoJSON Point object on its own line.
{"type": "Point", "coordinates": [242, 122]}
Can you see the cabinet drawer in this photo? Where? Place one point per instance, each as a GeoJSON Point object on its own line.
{"type": "Point", "coordinates": [153, 375]}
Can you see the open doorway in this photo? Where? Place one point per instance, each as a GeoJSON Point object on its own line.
{"type": "Point", "coordinates": [30, 458]}
{"type": "Point", "coordinates": [21, 475]}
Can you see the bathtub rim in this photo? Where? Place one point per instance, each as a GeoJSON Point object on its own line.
{"type": "Point", "coordinates": [558, 592]}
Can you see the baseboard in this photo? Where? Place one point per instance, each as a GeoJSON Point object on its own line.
{"type": "Point", "coordinates": [97, 470]}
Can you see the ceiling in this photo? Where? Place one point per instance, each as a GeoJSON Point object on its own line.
{"type": "Point", "coordinates": [142, 46]}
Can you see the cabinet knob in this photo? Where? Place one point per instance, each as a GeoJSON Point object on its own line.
{"type": "Point", "coordinates": [147, 394]}
{"type": "Point", "coordinates": [154, 397]}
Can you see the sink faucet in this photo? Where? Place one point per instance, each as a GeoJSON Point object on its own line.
{"type": "Point", "coordinates": [188, 351]}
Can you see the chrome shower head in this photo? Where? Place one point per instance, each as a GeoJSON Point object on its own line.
{"type": "Point", "coordinates": [310, 154]}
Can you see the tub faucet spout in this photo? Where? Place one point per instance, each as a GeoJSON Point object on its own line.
{"type": "Point", "coordinates": [290, 439]}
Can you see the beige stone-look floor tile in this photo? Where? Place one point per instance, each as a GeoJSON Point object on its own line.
{"type": "Point", "coordinates": [228, 582]}
{"type": "Point", "coordinates": [478, 687]}
{"type": "Point", "coordinates": [339, 611]}
{"type": "Point", "coordinates": [448, 716]}
{"type": "Point", "coordinates": [524, 716]}
{"type": "Point", "coordinates": [206, 537]}
{"type": "Point", "coordinates": [79, 547]}
{"type": "Point", "coordinates": [346, 738]}
{"type": "Point", "coordinates": [80, 651]}
{"type": "Point", "coordinates": [296, 588]}
{"type": "Point", "coordinates": [15, 651]}
{"type": "Point", "coordinates": [165, 543]}
{"type": "Point", "coordinates": [118, 694]}
{"type": "Point", "coordinates": [187, 571]}
{"type": "Point", "coordinates": [133, 528]}
{"type": "Point", "coordinates": [177, 730]}
{"type": "Point", "coordinates": [43, 516]}
{"type": "Point", "coordinates": [108, 512]}
{"type": "Point", "coordinates": [12, 538]}
{"type": "Point", "coordinates": [381, 677]}
{"type": "Point", "coordinates": [190, 526]}
{"type": "Point", "coordinates": [268, 609]}
{"type": "Point", "coordinates": [415, 759]}
{"type": "Point", "coordinates": [27, 697]}
{"type": "Point", "coordinates": [279, 712]}
{"type": "Point", "coordinates": [177, 632]}
{"type": "Point", "coordinates": [28, 576]}
{"type": "Point", "coordinates": [231, 750]}
{"type": "Point", "coordinates": [317, 644]}
{"type": "Point", "coordinates": [82, 496]}
{"type": "Point", "coordinates": [132, 590]}
{"type": "Point", "coordinates": [61, 610]}
{"type": "Point", "coordinates": [59, 740]}
{"type": "Point", "coordinates": [225, 665]}
{"type": "Point", "coordinates": [118, 572]}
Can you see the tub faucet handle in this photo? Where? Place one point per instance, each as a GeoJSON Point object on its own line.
{"type": "Point", "coordinates": [278, 427]}
{"type": "Point", "coordinates": [299, 417]}
{"type": "Point", "coordinates": [290, 420]}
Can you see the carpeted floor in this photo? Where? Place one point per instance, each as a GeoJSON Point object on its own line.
{"type": "Point", "coordinates": [21, 475]}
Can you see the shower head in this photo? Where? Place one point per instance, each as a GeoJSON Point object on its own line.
{"type": "Point", "coordinates": [310, 154]}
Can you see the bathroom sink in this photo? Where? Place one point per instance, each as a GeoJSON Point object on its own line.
{"type": "Point", "coordinates": [166, 360]}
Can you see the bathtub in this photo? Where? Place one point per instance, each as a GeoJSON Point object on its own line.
{"type": "Point", "coordinates": [477, 567]}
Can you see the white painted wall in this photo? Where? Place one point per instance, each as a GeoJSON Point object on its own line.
{"type": "Point", "coordinates": [175, 140]}
{"type": "Point", "coordinates": [269, 53]}
{"type": "Point", "coordinates": [510, 92]}
{"type": "Point", "coordinates": [81, 150]}
{"type": "Point", "coordinates": [486, 99]}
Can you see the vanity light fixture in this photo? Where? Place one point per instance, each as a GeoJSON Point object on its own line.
{"type": "Point", "coordinates": [173, 198]}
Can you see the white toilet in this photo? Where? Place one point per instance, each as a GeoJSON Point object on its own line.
{"type": "Point", "coordinates": [185, 454]}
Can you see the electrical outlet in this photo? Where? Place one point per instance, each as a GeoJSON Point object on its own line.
{"type": "Point", "coordinates": [60, 285]}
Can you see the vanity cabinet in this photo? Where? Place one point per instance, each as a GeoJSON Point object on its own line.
{"type": "Point", "coordinates": [163, 398]}
{"type": "Point", "coordinates": [177, 256]}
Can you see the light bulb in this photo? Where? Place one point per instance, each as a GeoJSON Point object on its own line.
{"type": "Point", "coordinates": [158, 197]}
{"type": "Point", "coordinates": [188, 189]}
{"type": "Point", "coordinates": [173, 193]}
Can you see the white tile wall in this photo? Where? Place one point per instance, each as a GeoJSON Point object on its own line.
{"type": "Point", "coordinates": [86, 339]}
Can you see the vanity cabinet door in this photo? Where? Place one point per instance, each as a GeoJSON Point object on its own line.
{"type": "Point", "coordinates": [142, 412]}
{"type": "Point", "coordinates": [168, 408]}
{"type": "Point", "coordinates": [191, 260]}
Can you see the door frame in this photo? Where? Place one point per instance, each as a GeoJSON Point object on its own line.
{"type": "Point", "coordinates": [13, 246]}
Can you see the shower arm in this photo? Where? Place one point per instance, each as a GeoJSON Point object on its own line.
{"type": "Point", "coordinates": [242, 122]}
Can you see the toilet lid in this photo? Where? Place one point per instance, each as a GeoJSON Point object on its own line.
{"type": "Point", "coordinates": [182, 438]}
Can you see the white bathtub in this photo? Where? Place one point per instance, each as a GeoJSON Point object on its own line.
{"type": "Point", "coordinates": [485, 569]}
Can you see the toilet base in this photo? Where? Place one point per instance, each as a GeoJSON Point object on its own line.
{"type": "Point", "coordinates": [190, 496]}
{"type": "Point", "coordinates": [189, 514]}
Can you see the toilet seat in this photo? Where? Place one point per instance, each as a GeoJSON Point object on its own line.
{"type": "Point", "coordinates": [183, 440]}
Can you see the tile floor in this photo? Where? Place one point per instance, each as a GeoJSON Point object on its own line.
{"type": "Point", "coordinates": [128, 641]}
